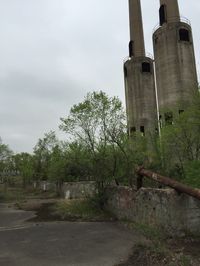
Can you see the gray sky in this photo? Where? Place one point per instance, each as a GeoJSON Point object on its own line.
{"type": "Point", "coordinates": [52, 52]}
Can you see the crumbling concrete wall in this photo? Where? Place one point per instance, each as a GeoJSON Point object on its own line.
{"type": "Point", "coordinates": [45, 185]}
{"type": "Point", "coordinates": [78, 190]}
{"type": "Point", "coordinates": [163, 208]}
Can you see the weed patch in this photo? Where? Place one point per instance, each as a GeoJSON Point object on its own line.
{"type": "Point", "coordinates": [160, 250]}
{"type": "Point", "coordinates": [81, 210]}
{"type": "Point", "coordinates": [19, 194]}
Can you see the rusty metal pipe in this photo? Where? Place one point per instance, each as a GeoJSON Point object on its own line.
{"type": "Point", "coordinates": [169, 182]}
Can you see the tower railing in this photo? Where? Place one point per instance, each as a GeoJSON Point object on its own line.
{"type": "Point", "coordinates": [127, 58]}
{"type": "Point", "coordinates": [181, 19]}
{"type": "Point", "coordinates": [149, 55]}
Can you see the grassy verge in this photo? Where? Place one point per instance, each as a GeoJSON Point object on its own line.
{"type": "Point", "coordinates": [160, 250]}
{"type": "Point", "coordinates": [18, 194]}
{"type": "Point", "coordinates": [83, 210]}
{"type": "Point", "coordinates": [11, 195]}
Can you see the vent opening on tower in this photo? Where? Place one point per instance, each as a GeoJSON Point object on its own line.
{"type": "Point", "coordinates": [142, 130]}
{"type": "Point", "coordinates": [146, 67]}
{"type": "Point", "coordinates": [184, 35]}
{"type": "Point", "coordinates": [169, 118]}
{"type": "Point", "coordinates": [163, 15]}
{"type": "Point", "coordinates": [125, 72]}
{"type": "Point", "coordinates": [180, 111]}
{"type": "Point", "coordinates": [132, 130]}
{"type": "Point", "coordinates": [131, 48]}
{"type": "Point", "coordinates": [160, 121]}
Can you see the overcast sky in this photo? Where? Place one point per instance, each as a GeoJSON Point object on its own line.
{"type": "Point", "coordinates": [52, 52]}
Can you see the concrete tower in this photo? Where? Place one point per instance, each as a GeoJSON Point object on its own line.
{"type": "Point", "coordinates": [174, 61]}
{"type": "Point", "coordinates": [139, 78]}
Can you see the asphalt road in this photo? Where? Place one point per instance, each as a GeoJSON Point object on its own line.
{"type": "Point", "coordinates": [61, 243]}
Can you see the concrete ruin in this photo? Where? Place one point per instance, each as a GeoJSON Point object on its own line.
{"type": "Point", "coordinates": [78, 190]}
{"type": "Point", "coordinates": [139, 77]}
{"type": "Point", "coordinates": [166, 209]}
{"type": "Point", "coordinates": [175, 65]}
{"type": "Point", "coordinates": [175, 69]}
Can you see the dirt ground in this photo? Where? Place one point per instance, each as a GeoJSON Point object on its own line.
{"type": "Point", "coordinates": [164, 250]}
{"type": "Point", "coordinates": [145, 256]}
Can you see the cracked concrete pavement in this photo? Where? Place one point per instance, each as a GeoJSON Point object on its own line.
{"type": "Point", "coordinates": [61, 243]}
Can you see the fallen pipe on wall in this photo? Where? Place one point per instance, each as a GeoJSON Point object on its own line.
{"type": "Point", "coordinates": [166, 181]}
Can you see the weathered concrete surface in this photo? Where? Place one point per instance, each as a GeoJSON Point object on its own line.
{"type": "Point", "coordinates": [65, 243]}
{"type": "Point", "coordinates": [78, 190]}
{"type": "Point", "coordinates": [9, 217]}
{"type": "Point", "coordinates": [70, 190]}
{"type": "Point", "coordinates": [172, 10]}
{"type": "Point", "coordinates": [45, 185]}
{"type": "Point", "coordinates": [163, 208]}
{"type": "Point", "coordinates": [136, 28]}
{"type": "Point", "coordinates": [140, 95]}
{"type": "Point", "coordinates": [175, 64]}
{"type": "Point", "coordinates": [139, 80]}
{"type": "Point", "coordinates": [175, 67]}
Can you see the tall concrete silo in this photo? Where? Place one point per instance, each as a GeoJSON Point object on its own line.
{"type": "Point", "coordinates": [174, 62]}
{"type": "Point", "coordinates": [139, 78]}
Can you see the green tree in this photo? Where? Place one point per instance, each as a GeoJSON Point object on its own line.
{"type": "Point", "coordinates": [5, 157]}
{"type": "Point", "coordinates": [98, 125]}
{"type": "Point", "coordinates": [23, 163]}
{"type": "Point", "coordinates": [96, 121]}
{"type": "Point", "coordinates": [180, 145]}
{"type": "Point", "coordinates": [6, 165]}
{"type": "Point", "coordinates": [42, 155]}
{"type": "Point", "coordinates": [78, 162]}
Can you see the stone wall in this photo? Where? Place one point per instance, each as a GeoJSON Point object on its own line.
{"type": "Point", "coordinates": [45, 185]}
{"type": "Point", "coordinates": [77, 190]}
{"type": "Point", "coordinates": [163, 208]}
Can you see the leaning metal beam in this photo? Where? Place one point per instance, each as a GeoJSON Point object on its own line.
{"type": "Point", "coordinates": [167, 182]}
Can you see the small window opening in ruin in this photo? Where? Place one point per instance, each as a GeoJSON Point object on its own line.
{"type": "Point", "coordinates": [181, 111]}
{"type": "Point", "coordinates": [142, 130]}
{"type": "Point", "coordinates": [125, 72]}
{"type": "Point", "coordinates": [184, 35]}
{"type": "Point", "coordinates": [169, 118]}
{"type": "Point", "coordinates": [162, 14]}
{"type": "Point", "coordinates": [131, 48]}
{"type": "Point", "coordinates": [132, 130]}
{"type": "Point", "coordinates": [160, 121]}
{"type": "Point", "coordinates": [146, 67]}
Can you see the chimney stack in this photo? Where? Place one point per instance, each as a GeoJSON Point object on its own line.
{"type": "Point", "coordinates": [169, 11]}
{"type": "Point", "coordinates": [139, 78]}
{"type": "Point", "coordinates": [136, 45]}
{"type": "Point", "coordinates": [174, 62]}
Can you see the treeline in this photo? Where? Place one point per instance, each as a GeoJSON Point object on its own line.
{"type": "Point", "coordinates": [97, 147]}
